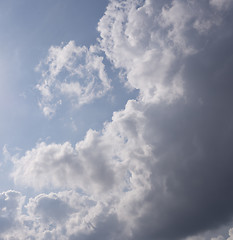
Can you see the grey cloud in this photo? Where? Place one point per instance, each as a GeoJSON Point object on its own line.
{"type": "Point", "coordinates": [5, 224]}
{"type": "Point", "coordinates": [107, 228]}
{"type": "Point", "coordinates": [11, 203]}
{"type": "Point", "coordinates": [192, 179]}
{"type": "Point", "coordinates": [221, 5]}
{"type": "Point", "coordinates": [50, 208]}
{"type": "Point", "coordinates": [51, 216]}
{"type": "Point", "coordinates": [191, 140]}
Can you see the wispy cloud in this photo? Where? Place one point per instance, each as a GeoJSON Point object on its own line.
{"type": "Point", "coordinates": [71, 71]}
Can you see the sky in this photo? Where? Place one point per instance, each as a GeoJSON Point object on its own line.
{"type": "Point", "coordinates": [116, 120]}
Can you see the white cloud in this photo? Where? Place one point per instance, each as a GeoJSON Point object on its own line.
{"type": "Point", "coordinates": [60, 165]}
{"type": "Point", "coordinates": [210, 235]}
{"type": "Point", "coordinates": [143, 54]}
{"type": "Point", "coordinates": [151, 39]}
{"type": "Point", "coordinates": [72, 71]}
{"type": "Point", "coordinates": [49, 216]}
{"type": "Point", "coordinates": [218, 238]}
{"type": "Point", "coordinates": [230, 237]}
{"type": "Point", "coordinates": [49, 208]}
{"type": "Point", "coordinates": [221, 4]}
{"type": "Point", "coordinates": [6, 153]}
{"type": "Point", "coordinates": [157, 170]}
{"type": "Point", "coordinates": [230, 234]}
{"type": "Point", "coordinates": [11, 203]}
{"type": "Point", "coordinates": [109, 166]}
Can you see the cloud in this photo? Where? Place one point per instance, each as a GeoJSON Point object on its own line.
{"type": "Point", "coordinates": [221, 5]}
{"type": "Point", "coordinates": [153, 58]}
{"type": "Point", "coordinates": [11, 203]}
{"type": "Point", "coordinates": [86, 166]}
{"type": "Point", "coordinates": [142, 54]}
{"type": "Point", "coordinates": [162, 168]}
{"type": "Point", "coordinates": [47, 216]}
{"type": "Point", "coordinates": [6, 153]}
{"type": "Point", "coordinates": [220, 237]}
{"type": "Point", "coordinates": [64, 215]}
{"type": "Point", "coordinates": [50, 208]}
{"type": "Point", "coordinates": [107, 228]}
{"type": "Point", "coordinates": [75, 72]}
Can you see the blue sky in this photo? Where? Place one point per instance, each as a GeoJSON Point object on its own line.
{"type": "Point", "coordinates": [116, 120]}
{"type": "Point", "coordinates": [28, 30]}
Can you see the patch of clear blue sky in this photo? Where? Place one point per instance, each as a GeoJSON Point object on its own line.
{"type": "Point", "coordinates": [28, 29]}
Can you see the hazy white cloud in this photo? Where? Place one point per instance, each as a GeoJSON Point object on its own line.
{"type": "Point", "coordinates": [218, 238]}
{"type": "Point", "coordinates": [11, 203]}
{"type": "Point", "coordinates": [6, 153]}
{"type": "Point", "coordinates": [75, 72]}
{"type": "Point", "coordinates": [230, 237]}
{"type": "Point", "coordinates": [230, 234]}
{"type": "Point", "coordinates": [49, 208]}
{"type": "Point", "coordinates": [221, 4]}
{"type": "Point", "coordinates": [208, 235]}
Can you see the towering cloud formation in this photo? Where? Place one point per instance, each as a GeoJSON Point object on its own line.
{"type": "Point", "coordinates": [162, 168]}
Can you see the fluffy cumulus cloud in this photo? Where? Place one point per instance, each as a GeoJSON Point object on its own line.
{"type": "Point", "coordinates": [162, 168]}
{"type": "Point", "coordinates": [62, 215]}
{"type": "Point", "coordinates": [85, 166]}
{"type": "Point", "coordinates": [71, 71]}
{"type": "Point", "coordinates": [59, 215]}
